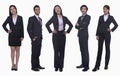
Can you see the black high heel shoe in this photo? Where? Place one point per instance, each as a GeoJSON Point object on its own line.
{"type": "Point", "coordinates": [95, 69]}
{"type": "Point", "coordinates": [106, 67]}
{"type": "Point", "coordinates": [13, 68]}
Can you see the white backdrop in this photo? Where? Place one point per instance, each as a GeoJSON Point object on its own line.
{"type": "Point", "coordinates": [72, 54]}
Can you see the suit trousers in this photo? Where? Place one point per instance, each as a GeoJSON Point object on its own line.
{"type": "Point", "coordinates": [83, 42]}
{"type": "Point", "coordinates": [107, 38]}
{"type": "Point", "coordinates": [36, 50]}
{"type": "Point", "coordinates": [59, 40]}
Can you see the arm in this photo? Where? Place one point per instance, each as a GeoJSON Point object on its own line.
{"type": "Point", "coordinates": [48, 25]}
{"type": "Point", "coordinates": [22, 29]}
{"type": "Point", "coordinates": [5, 24]}
{"type": "Point", "coordinates": [70, 25]}
{"type": "Point", "coordinates": [115, 24]}
{"type": "Point", "coordinates": [29, 28]}
{"type": "Point", "coordinates": [77, 26]}
{"type": "Point", "coordinates": [97, 32]}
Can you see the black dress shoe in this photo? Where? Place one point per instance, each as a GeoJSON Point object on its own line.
{"type": "Point", "coordinates": [61, 69]}
{"type": "Point", "coordinates": [106, 67]}
{"type": "Point", "coordinates": [35, 69]}
{"type": "Point", "coordinates": [85, 69]}
{"type": "Point", "coordinates": [16, 69]}
{"type": "Point", "coordinates": [56, 69]}
{"type": "Point", "coordinates": [95, 69]}
{"type": "Point", "coordinates": [41, 67]}
{"type": "Point", "coordinates": [12, 69]}
{"type": "Point", "coordinates": [81, 66]}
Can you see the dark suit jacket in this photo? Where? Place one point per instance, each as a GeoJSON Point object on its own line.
{"type": "Point", "coordinates": [34, 27]}
{"type": "Point", "coordinates": [54, 20]}
{"type": "Point", "coordinates": [83, 24]}
{"type": "Point", "coordinates": [17, 30]}
{"type": "Point", "coordinates": [103, 26]}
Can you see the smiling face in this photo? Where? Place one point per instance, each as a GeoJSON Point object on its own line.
{"type": "Point", "coordinates": [84, 10]}
{"type": "Point", "coordinates": [37, 10]}
{"type": "Point", "coordinates": [57, 10]}
{"type": "Point", "coordinates": [13, 11]}
{"type": "Point", "coordinates": [105, 10]}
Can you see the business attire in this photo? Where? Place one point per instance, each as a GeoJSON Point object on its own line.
{"type": "Point", "coordinates": [35, 32]}
{"type": "Point", "coordinates": [16, 26]}
{"type": "Point", "coordinates": [83, 23]}
{"type": "Point", "coordinates": [104, 35]}
{"type": "Point", "coordinates": [59, 39]}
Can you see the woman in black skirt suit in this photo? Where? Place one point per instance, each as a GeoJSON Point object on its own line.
{"type": "Point", "coordinates": [59, 36]}
{"type": "Point", "coordinates": [16, 34]}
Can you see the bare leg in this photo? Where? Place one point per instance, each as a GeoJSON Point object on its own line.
{"type": "Point", "coordinates": [12, 55]}
{"type": "Point", "coordinates": [17, 55]}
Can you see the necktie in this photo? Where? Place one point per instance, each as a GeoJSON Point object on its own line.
{"type": "Point", "coordinates": [39, 19]}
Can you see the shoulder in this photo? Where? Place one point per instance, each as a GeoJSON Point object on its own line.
{"type": "Point", "coordinates": [31, 17]}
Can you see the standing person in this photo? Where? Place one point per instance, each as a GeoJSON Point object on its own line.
{"type": "Point", "coordinates": [35, 32]}
{"type": "Point", "coordinates": [104, 34]}
{"type": "Point", "coordinates": [59, 36]}
{"type": "Point", "coordinates": [16, 34]}
{"type": "Point", "coordinates": [82, 26]}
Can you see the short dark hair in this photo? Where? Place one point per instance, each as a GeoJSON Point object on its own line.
{"type": "Point", "coordinates": [84, 6]}
{"type": "Point", "coordinates": [36, 6]}
{"type": "Point", "coordinates": [107, 6]}
{"type": "Point", "coordinates": [10, 14]}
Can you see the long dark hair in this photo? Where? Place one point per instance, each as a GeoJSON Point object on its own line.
{"type": "Point", "coordinates": [10, 14]}
{"type": "Point", "coordinates": [108, 7]}
{"type": "Point", "coordinates": [54, 13]}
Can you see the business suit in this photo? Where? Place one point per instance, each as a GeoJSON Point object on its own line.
{"type": "Point", "coordinates": [59, 39]}
{"type": "Point", "coordinates": [83, 22]}
{"type": "Point", "coordinates": [35, 30]}
{"type": "Point", "coordinates": [104, 35]}
{"type": "Point", "coordinates": [17, 30]}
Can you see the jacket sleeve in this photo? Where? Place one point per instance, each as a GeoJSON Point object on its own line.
{"type": "Point", "coordinates": [70, 25]}
{"type": "Point", "coordinates": [48, 24]}
{"type": "Point", "coordinates": [115, 24]}
{"type": "Point", "coordinates": [5, 24]}
{"type": "Point", "coordinates": [29, 28]}
{"type": "Point", "coordinates": [77, 27]}
{"type": "Point", "coordinates": [22, 28]}
{"type": "Point", "coordinates": [97, 32]}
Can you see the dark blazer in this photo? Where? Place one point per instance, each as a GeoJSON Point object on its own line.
{"type": "Point", "coordinates": [83, 24]}
{"type": "Point", "coordinates": [54, 20]}
{"type": "Point", "coordinates": [103, 26]}
{"type": "Point", "coordinates": [34, 27]}
{"type": "Point", "coordinates": [18, 29]}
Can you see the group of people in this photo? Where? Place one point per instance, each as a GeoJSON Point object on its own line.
{"type": "Point", "coordinates": [59, 21]}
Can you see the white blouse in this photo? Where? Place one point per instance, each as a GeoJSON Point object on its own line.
{"type": "Point", "coordinates": [106, 17]}
{"type": "Point", "coordinates": [60, 21]}
{"type": "Point", "coordinates": [14, 20]}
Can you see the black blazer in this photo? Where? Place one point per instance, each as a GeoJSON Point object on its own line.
{"type": "Point", "coordinates": [54, 20]}
{"type": "Point", "coordinates": [83, 24]}
{"type": "Point", "coordinates": [34, 27]}
{"type": "Point", "coordinates": [17, 29]}
{"type": "Point", "coordinates": [103, 26]}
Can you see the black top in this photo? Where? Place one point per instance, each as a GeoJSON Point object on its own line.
{"type": "Point", "coordinates": [55, 22]}
{"type": "Point", "coordinates": [17, 29]}
{"type": "Point", "coordinates": [103, 26]}
{"type": "Point", "coordinates": [34, 27]}
{"type": "Point", "coordinates": [83, 23]}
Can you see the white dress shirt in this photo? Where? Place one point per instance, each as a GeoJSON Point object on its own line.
{"type": "Point", "coordinates": [60, 21]}
{"type": "Point", "coordinates": [14, 20]}
{"type": "Point", "coordinates": [106, 17]}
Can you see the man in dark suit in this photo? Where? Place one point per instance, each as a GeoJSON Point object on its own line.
{"type": "Point", "coordinates": [82, 26]}
{"type": "Point", "coordinates": [35, 32]}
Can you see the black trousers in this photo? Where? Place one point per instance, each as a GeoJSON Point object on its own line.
{"type": "Point", "coordinates": [107, 38]}
{"type": "Point", "coordinates": [36, 50]}
{"type": "Point", "coordinates": [83, 42]}
{"type": "Point", "coordinates": [59, 40]}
